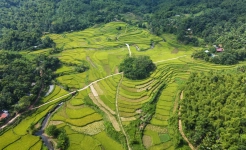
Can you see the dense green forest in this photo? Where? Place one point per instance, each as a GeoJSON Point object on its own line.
{"type": "Point", "coordinates": [21, 79]}
{"type": "Point", "coordinates": [206, 23]}
{"type": "Point", "coordinates": [213, 109]}
{"type": "Point", "coordinates": [197, 22]}
{"type": "Point", "coordinates": [23, 22]}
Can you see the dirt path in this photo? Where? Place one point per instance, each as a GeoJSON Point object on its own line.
{"type": "Point", "coordinates": [84, 88]}
{"type": "Point", "coordinates": [94, 92]}
{"type": "Point", "coordinates": [130, 53]}
{"type": "Point", "coordinates": [12, 120]}
{"type": "Point", "coordinates": [177, 100]}
{"type": "Point", "coordinates": [118, 114]}
{"type": "Point", "coordinates": [181, 127]}
{"type": "Point", "coordinates": [110, 116]}
{"type": "Point", "coordinates": [37, 97]}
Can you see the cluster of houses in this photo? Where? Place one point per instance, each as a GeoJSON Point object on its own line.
{"type": "Point", "coordinates": [218, 49]}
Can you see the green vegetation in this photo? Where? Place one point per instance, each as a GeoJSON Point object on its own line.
{"type": "Point", "coordinates": [52, 131]}
{"type": "Point", "coordinates": [224, 58]}
{"type": "Point", "coordinates": [212, 115]}
{"type": "Point", "coordinates": [147, 107]}
{"type": "Point", "coordinates": [21, 76]}
{"type": "Point", "coordinates": [22, 28]}
{"type": "Point", "coordinates": [137, 67]}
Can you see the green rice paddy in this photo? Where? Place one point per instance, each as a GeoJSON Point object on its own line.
{"type": "Point", "coordinates": [83, 118]}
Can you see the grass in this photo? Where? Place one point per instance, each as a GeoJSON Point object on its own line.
{"type": "Point", "coordinates": [164, 138]}
{"type": "Point", "coordinates": [37, 146]}
{"type": "Point", "coordinates": [24, 143]}
{"type": "Point", "coordinates": [81, 121]}
{"type": "Point", "coordinates": [154, 136]}
{"type": "Point", "coordinates": [91, 129]}
{"type": "Point", "coordinates": [89, 143]}
{"type": "Point", "coordinates": [79, 113]}
{"type": "Point", "coordinates": [107, 142]}
{"type": "Point", "coordinates": [7, 138]}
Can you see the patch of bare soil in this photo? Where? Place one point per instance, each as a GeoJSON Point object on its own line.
{"type": "Point", "coordinates": [128, 119]}
{"type": "Point", "coordinates": [98, 89]}
{"type": "Point", "coordinates": [100, 102]}
{"type": "Point", "coordinates": [55, 122]}
{"type": "Point", "coordinates": [156, 128]}
{"type": "Point", "coordinates": [116, 70]}
{"type": "Point", "coordinates": [147, 141]}
{"type": "Point", "coordinates": [110, 116]}
{"type": "Point", "coordinates": [175, 51]}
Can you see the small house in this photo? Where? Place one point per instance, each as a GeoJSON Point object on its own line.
{"type": "Point", "coordinates": [219, 49]}
{"type": "Point", "coordinates": [4, 115]}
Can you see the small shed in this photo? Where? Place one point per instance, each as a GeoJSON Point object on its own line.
{"type": "Point", "coordinates": [4, 115]}
{"type": "Point", "coordinates": [219, 49]}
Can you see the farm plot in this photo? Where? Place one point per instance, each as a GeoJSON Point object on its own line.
{"type": "Point", "coordinates": [74, 81]}
{"type": "Point", "coordinates": [29, 141]}
{"type": "Point", "coordinates": [107, 90]}
{"type": "Point", "coordinates": [57, 92]}
{"type": "Point", "coordinates": [77, 117]}
{"type": "Point", "coordinates": [78, 99]}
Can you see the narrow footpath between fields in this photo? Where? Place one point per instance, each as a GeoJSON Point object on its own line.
{"type": "Point", "coordinates": [181, 127]}
{"type": "Point", "coordinates": [130, 53]}
{"type": "Point", "coordinates": [118, 114]}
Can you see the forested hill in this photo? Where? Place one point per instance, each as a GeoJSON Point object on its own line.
{"type": "Point", "coordinates": [23, 22]}
{"type": "Point", "coordinates": [216, 21]}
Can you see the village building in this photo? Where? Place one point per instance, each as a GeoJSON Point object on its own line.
{"type": "Point", "coordinates": [219, 49]}
{"type": "Point", "coordinates": [4, 115]}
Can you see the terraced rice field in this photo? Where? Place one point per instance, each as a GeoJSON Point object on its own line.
{"type": "Point", "coordinates": [84, 116]}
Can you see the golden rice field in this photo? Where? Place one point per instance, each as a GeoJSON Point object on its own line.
{"type": "Point", "coordinates": [93, 119]}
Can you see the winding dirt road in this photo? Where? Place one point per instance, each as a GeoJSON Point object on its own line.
{"type": "Point", "coordinates": [118, 114]}
{"type": "Point", "coordinates": [130, 53]}
{"type": "Point", "coordinates": [181, 127]}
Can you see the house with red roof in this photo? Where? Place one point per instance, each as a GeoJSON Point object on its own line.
{"type": "Point", "coordinates": [4, 115]}
{"type": "Point", "coordinates": [219, 49]}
